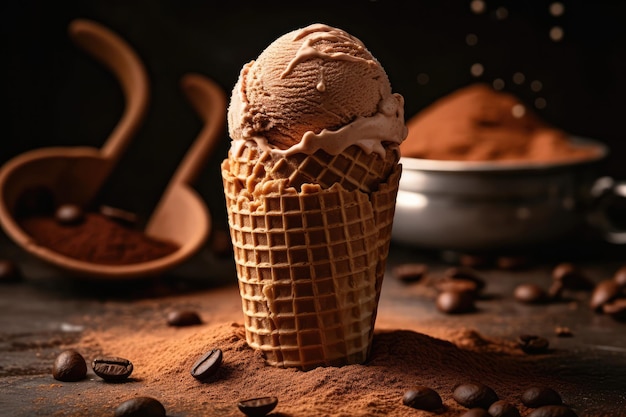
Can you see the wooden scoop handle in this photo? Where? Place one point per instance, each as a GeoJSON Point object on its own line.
{"type": "Point", "coordinates": [209, 101]}
{"type": "Point", "coordinates": [113, 52]}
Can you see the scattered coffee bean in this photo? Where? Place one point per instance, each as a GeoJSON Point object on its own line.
{"type": "Point", "coordinates": [257, 407]}
{"type": "Point", "coordinates": [455, 302]}
{"type": "Point", "coordinates": [466, 273]}
{"type": "Point", "coordinates": [9, 271]}
{"type": "Point", "coordinates": [207, 365]}
{"type": "Point", "coordinates": [474, 260]}
{"type": "Point", "coordinates": [620, 277]}
{"type": "Point", "coordinates": [180, 318]}
{"type": "Point", "coordinates": [571, 277]}
{"type": "Point", "coordinates": [535, 397]}
{"type": "Point", "coordinates": [555, 292]}
{"type": "Point", "coordinates": [422, 398]}
{"type": "Point", "coordinates": [69, 366]}
{"type": "Point", "coordinates": [476, 412]}
{"type": "Point", "coordinates": [123, 217]}
{"type": "Point", "coordinates": [530, 294]}
{"type": "Point", "coordinates": [563, 331]}
{"type": "Point", "coordinates": [552, 411]}
{"type": "Point", "coordinates": [513, 262]}
{"type": "Point", "coordinates": [474, 394]}
{"type": "Point", "coordinates": [410, 272]}
{"type": "Point", "coordinates": [604, 292]}
{"type": "Point", "coordinates": [112, 368]}
{"type": "Point", "coordinates": [456, 285]}
{"type": "Point", "coordinates": [503, 408]}
{"type": "Point", "coordinates": [69, 214]}
{"type": "Point", "coordinates": [140, 407]}
{"type": "Point", "coordinates": [532, 344]}
{"type": "Point", "coordinates": [616, 309]}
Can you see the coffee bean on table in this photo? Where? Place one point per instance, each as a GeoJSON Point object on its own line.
{"type": "Point", "coordinates": [604, 292]}
{"type": "Point", "coordinates": [123, 217]}
{"type": "Point", "coordinates": [69, 366]}
{"type": "Point", "coordinates": [452, 284]}
{"type": "Point", "coordinates": [533, 344]}
{"type": "Point", "coordinates": [466, 273]}
{"type": "Point", "coordinates": [616, 309]}
{"type": "Point", "coordinates": [503, 408]}
{"type": "Point", "coordinates": [474, 394]}
{"type": "Point", "coordinates": [530, 294]}
{"type": "Point", "coordinates": [181, 318]}
{"type": "Point", "coordinates": [410, 272]}
{"type": "Point", "coordinates": [69, 214]}
{"type": "Point", "coordinates": [476, 412]}
{"type": "Point", "coordinates": [563, 331]}
{"type": "Point", "coordinates": [422, 398]}
{"type": "Point", "coordinates": [620, 277]}
{"type": "Point", "coordinates": [140, 407]}
{"type": "Point", "coordinates": [571, 277]}
{"type": "Point", "coordinates": [535, 397]}
{"type": "Point", "coordinates": [552, 411]}
{"type": "Point", "coordinates": [9, 271]}
{"type": "Point", "coordinates": [207, 365]}
{"type": "Point", "coordinates": [455, 302]}
{"type": "Point", "coordinates": [470, 260]}
{"type": "Point", "coordinates": [112, 368]}
{"type": "Point", "coordinates": [257, 407]}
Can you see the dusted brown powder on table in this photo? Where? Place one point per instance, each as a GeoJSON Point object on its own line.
{"type": "Point", "coordinates": [163, 357]}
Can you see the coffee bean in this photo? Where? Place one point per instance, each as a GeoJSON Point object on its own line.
{"type": "Point", "coordinates": [604, 292]}
{"type": "Point", "coordinates": [69, 214]}
{"type": "Point", "coordinates": [552, 411]}
{"type": "Point", "coordinates": [410, 272]}
{"type": "Point", "coordinates": [207, 365]}
{"type": "Point", "coordinates": [69, 366]}
{"type": "Point", "coordinates": [112, 368]}
{"type": "Point", "coordinates": [466, 273]}
{"type": "Point", "coordinates": [556, 290]}
{"type": "Point", "coordinates": [9, 271]}
{"type": "Point", "coordinates": [422, 398]}
{"type": "Point", "coordinates": [180, 318]}
{"type": "Point", "coordinates": [530, 294]}
{"type": "Point", "coordinates": [123, 217]}
{"type": "Point", "coordinates": [616, 309]}
{"type": "Point", "coordinates": [476, 412]}
{"type": "Point", "coordinates": [539, 396]}
{"type": "Point", "coordinates": [571, 277]}
{"type": "Point", "coordinates": [513, 262]}
{"type": "Point", "coordinates": [474, 394]}
{"type": "Point", "coordinates": [140, 407]}
{"type": "Point", "coordinates": [456, 285]}
{"type": "Point", "coordinates": [474, 260]}
{"type": "Point", "coordinates": [455, 302]}
{"type": "Point", "coordinates": [563, 331]}
{"type": "Point", "coordinates": [620, 277]}
{"type": "Point", "coordinates": [257, 407]}
{"type": "Point", "coordinates": [503, 408]}
{"type": "Point", "coordinates": [532, 344]}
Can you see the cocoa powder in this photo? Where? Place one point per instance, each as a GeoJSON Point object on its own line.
{"type": "Point", "coordinates": [163, 356]}
{"type": "Point", "coordinates": [97, 239]}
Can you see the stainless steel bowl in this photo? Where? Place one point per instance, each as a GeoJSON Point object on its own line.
{"type": "Point", "coordinates": [487, 206]}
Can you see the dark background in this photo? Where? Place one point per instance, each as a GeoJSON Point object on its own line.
{"type": "Point", "coordinates": [54, 94]}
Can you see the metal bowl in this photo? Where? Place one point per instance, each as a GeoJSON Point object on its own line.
{"type": "Point", "coordinates": [487, 206]}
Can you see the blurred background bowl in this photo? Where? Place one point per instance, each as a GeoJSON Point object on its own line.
{"type": "Point", "coordinates": [499, 206]}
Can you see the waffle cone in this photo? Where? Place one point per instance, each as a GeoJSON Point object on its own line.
{"type": "Point", "coordinates": [310, 261]}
